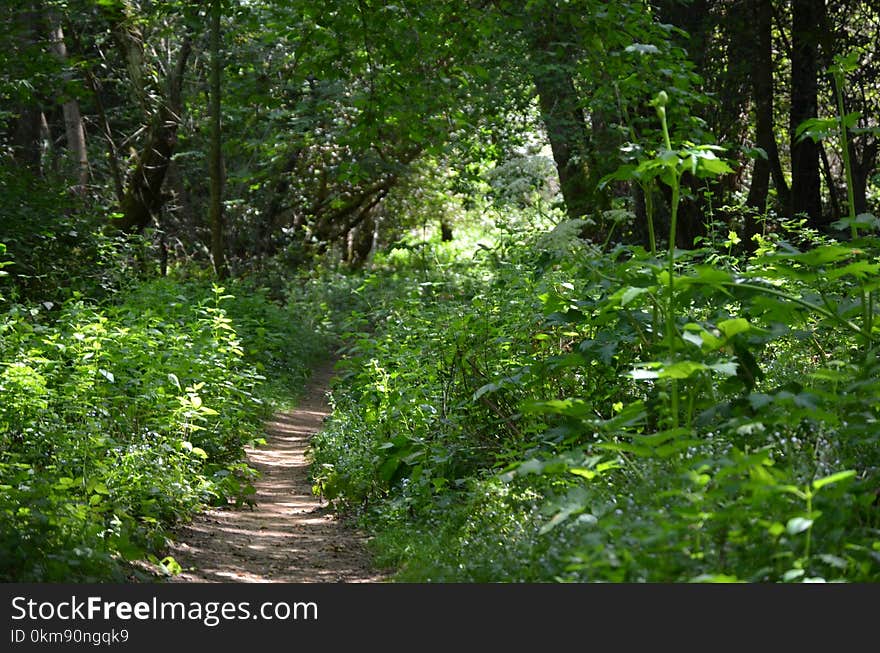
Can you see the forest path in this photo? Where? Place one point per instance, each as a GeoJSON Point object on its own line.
{"type": "Point", "coordinates": [290, 535]}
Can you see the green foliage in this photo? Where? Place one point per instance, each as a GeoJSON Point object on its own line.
{"type": "Point", "coordinates": [120, 419]}
{"type": "Point", "coordinates": [53, 245]}
{"type": "Point", "coordinates": [509, 417]}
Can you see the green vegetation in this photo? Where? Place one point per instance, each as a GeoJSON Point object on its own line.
{"type": "Point", "coordinates": [120, 418]}
{"type": "Point", "coordinates": [602, 278]}
{"type": "Point", "coordinates": [513, 417]}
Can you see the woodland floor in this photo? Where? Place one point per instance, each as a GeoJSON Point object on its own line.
{"type": "Point", "coordinates": [290, 535]}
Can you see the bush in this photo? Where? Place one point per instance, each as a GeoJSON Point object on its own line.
{"type": "Point", "coordinates": [120, 419]}
{"type": "Point", "coordinates": [523, 416]}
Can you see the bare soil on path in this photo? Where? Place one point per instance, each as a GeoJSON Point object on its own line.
{"type": "Point", "coordinates": [290, 535]}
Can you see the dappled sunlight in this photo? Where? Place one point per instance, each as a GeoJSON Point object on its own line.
{"type": "Point", "coordinates": [288, 535]}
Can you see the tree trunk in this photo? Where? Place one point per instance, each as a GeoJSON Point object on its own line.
{"type": "Point", "coordinates": [143, 193]}
{"type": "Point", "coordinates": [805, 182]}
{"type": "Point", "coordinates": [361, 241]}
{"type": "Point", "coordinates": [445, 231]}
{"type": "Point", "coordinates": [864, 164]}
{"type": "Point", "coordinates": [27, 138]}
{"type": "Point", "coordinates": [563, 118]}
{"type": "Point", "coordinates": [73, 124]}
{"type": "Point", "coordinates": [218, 240]}
{"type": "Point", "coordinates": [762, 96]}
{"type": "Point", "coordinates": [26, 126]}
{"type": "Point", "coordinates": [761, 16]}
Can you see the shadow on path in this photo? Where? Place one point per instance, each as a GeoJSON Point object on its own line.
{"type": "Point", "coordinates": [290, 536]}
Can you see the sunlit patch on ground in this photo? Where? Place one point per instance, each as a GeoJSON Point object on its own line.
{"type": "Point", "coordinates": [289, 536]}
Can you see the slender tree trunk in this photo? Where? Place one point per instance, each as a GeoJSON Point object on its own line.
{"type": "Point", "coordinates": [864, 165]}
{"type": "Point", "coordinates": [218, 241]}
{"type": "Point", "coordinates": [805, 182]}
{"type": "Point", "coordinates": [761, 17]}
{"type": "Point", "coordinates": [73, 124]}
{"type": "Point", "coordinates": [762, 95]}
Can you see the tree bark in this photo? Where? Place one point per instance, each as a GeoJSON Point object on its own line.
{"type": "Point", "coordinates": [73, 124]}
{"type": "Point", "coordinates": [761, 16]}
{"type": "Point", "coordinates": [218, 240]}
{"type": "Point", "coordinates": [143, 193]}
{"type": "Point", "coordinates": [563, 118]}
{"type": "Point", "coordinates": [805, 182]}
{"type": "Point", "coordinates": [864, 164]}
{"type": "Point", "coordinates": [445, 231]}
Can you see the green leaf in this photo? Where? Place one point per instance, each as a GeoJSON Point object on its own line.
{"type": "Point", "coordinates": [630, 294]}
{"type": "Point", "coordinates": [776, 529]}
{"type": "Point", "coordinates": [657, 439]}
{"type": "Point", "coordinates": [489, 387]}
{"type": "Point", "coordinates": [846, 63]}
{"type": "Point", "coordinates": [682, 369]}
{"type": "Point", "coordinates": [642, 48]}
{"type": "Point", "coordinates": [833, 560]}
{"type": "Point", "coordinates": [833, 478]}
{"type": "Point", "coordinates": [822, 255]}
{"type": "Point", "coordinates": [733, 326]}
{"type": "Point", "coordinates": [728, 368]}
{"type": "Point", "coordinates": [710, 166]}
{"type": "Point", "coordinates": [715, 578]}
{"type": "Point", "coordinates": [792, 574]}
{"type": "Point", "coordinates": [564, 514]}
{"type": "Point", "coordinates": [859, 269]}
{"type": "Point", "coordinates": [170, 565]}
{"type": "Point", "coordinates": [570, 407]}
{"type": "Point", "coordinates": [530, 466]}
{"type": "Point", "coordinates": [797, 525]}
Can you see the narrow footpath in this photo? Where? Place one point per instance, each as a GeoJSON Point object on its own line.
{"type": "Point", "coordinates": [290, 535]}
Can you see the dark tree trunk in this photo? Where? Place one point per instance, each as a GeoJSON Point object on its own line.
{"type": "Point", "coordinates": [360, 242]}
{"type": "Point", "coordinates": [26, 126]}
{"type": "Point", "coordinates": [445, 231]}
{"type": "Point", "coordinates": [218, 239]}
{"type": "Point", "coordinates": [864, 164]}
{"type": "Point", "coordinates": [566, 129]}
{"type": "Point", "coordinates": [761, 17]}
{"type": "Point", "coordinates": [563, 116]}
{"type": "Point", "coordinates": [143, 193]}
{"type": "Point", "coordinates": [27, 138]}
{"type": "Point", "coordinates": [807, 16]}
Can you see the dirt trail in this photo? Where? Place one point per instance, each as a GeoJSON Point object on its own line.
{"type": "Point", "coordinates": [290, 536]}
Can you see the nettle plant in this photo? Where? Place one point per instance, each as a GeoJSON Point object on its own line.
{"type": "Point", "coordinates": [726, 376]}
{"type": "Point", "coordinates": [668, 165]}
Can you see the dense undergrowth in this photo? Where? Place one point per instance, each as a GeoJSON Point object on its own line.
{"type": "Point", "coordinates": [534, 412]}
{"type": "Point", "coordinates": [126, 403]}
